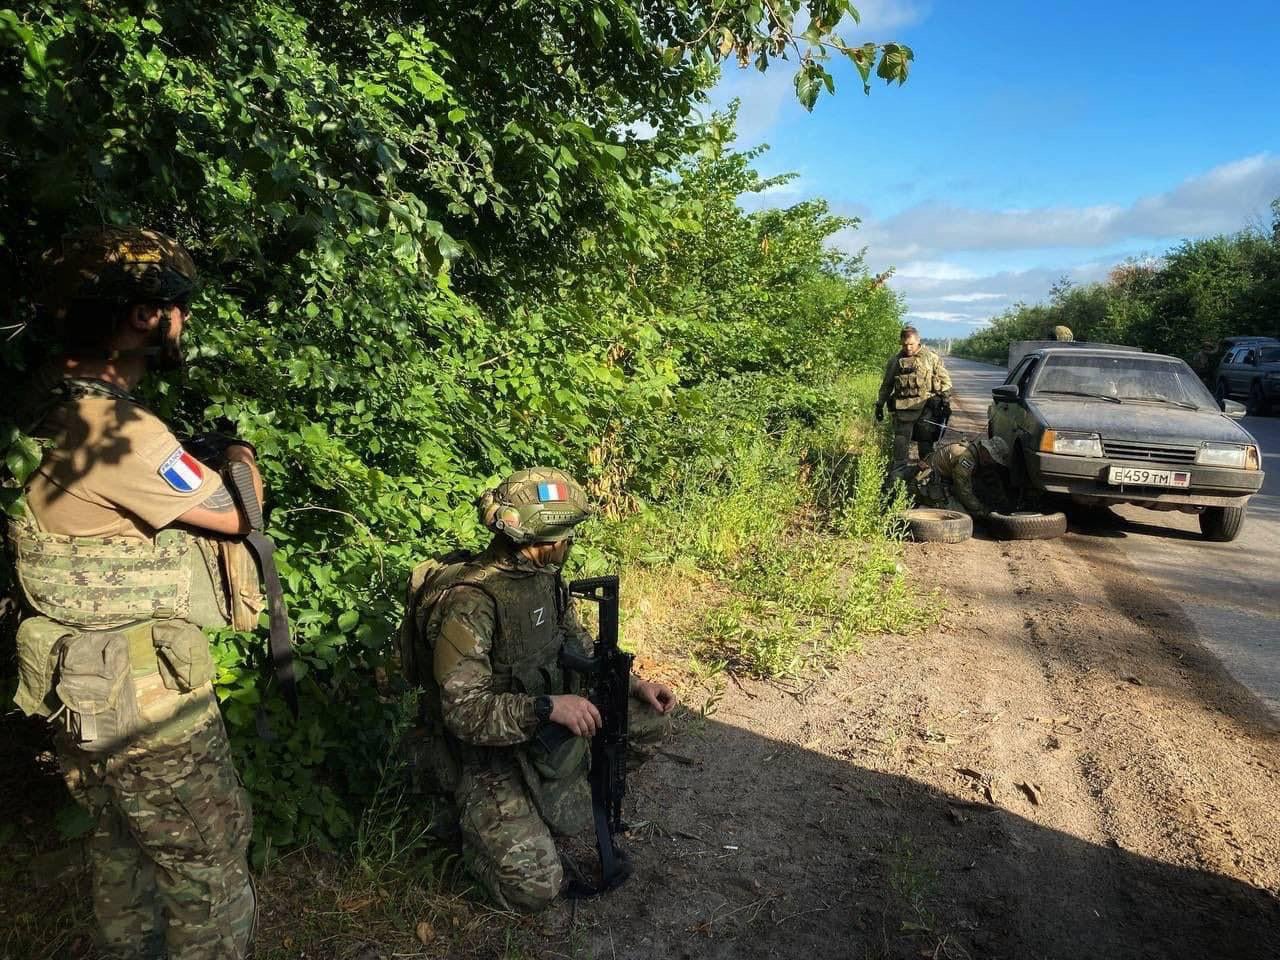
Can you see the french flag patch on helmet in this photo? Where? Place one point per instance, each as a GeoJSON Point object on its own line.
{"type": "Point", "coordinates": [552, 491]}
{"type": "Point", "coordinates": [182, 471]}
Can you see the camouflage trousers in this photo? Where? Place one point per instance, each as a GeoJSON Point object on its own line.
{"type": "Point", "coordinates": [506, 844]}
{"type": "Point", "coordinates": [172, 827]}
{"type": "Point", "coordinates": [904, 425]}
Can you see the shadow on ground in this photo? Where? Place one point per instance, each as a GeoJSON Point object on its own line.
{"type": "Point", "coordinates": [748, 847]}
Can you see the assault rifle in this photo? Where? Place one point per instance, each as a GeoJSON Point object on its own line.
{"type": "Point", "coordinates": [607, 673]}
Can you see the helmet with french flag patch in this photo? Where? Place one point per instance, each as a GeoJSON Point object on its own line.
{"type": "Point", "coordinates": [538, 505]}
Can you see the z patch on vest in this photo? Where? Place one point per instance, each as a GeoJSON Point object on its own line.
{"type": "Point", "coordinates": [182, 471]}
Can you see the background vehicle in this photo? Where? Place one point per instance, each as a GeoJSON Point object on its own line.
{"type": "Point", "coordinates": [1251, 371]}
{"type": "Point", "coordinates": [1102, 425]}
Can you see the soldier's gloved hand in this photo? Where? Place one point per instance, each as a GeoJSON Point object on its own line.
{"type": "Point", "coordinates": [577, 713]}
{"type": "Point", "coordinates": [657, 695]}
{"type": "Point", "coordinates": [879, 412]}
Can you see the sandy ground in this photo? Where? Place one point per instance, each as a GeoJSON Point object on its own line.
{"type": "Point", "coordinates": [1057, 769]}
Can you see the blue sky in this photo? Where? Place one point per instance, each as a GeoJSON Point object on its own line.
{"type": "Point", "coordinates": [1032, 141]}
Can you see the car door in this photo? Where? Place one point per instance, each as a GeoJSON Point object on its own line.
{"type": "Point", "coordinates": [1011, 419]}
{"type": "Point", "coordinates": [1000, 413]}
{"type": "Point", "coordinates": [1026, 432]}
{"type": "Point", "coordinates": [1241, 371]}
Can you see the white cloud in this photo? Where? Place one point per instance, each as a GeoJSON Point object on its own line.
{"type": "Point", "coordinates": [970, 297]}
{"type": "Point", "coordinates": [888, 15]}
{"type": "Point", "coordinates": [950, 257]}
{"type": "Point", "coordinates": [1222, 199]}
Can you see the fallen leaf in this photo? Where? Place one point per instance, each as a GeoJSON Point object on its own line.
{"type": "Point", "coordinates": [354, 904]}
{"type": "Point", "coordinates": [425, 932]}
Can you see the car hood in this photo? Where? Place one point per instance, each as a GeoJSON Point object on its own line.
{"type": "Point", "coordinates": [1141, 421]}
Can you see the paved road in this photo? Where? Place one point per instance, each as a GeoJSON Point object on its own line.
{"type": "Point", "coordinates": [1230, 591]}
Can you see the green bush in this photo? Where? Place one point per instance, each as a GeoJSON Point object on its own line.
{"type": "Point", "coordinates": [429, 257]}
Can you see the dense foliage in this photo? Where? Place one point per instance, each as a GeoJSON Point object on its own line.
{"type": "Point", "coordinates": [1200, 290]}
{"type": "Point", "coordinates": [432, 252]}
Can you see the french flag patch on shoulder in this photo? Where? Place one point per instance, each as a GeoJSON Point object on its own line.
{"type": "Point", "coordinates": [182, 471]}
{"type": "Point", "coordinates": [552, 491]}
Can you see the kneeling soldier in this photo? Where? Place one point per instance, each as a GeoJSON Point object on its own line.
{"type": "Point", "coordinates": [482, 635]}
{"type": "Point", "coordinates": [948, 478]}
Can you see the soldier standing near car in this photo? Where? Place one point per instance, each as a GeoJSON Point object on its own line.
{"type": "Point", "coordinates": [912, 377]}
{"type": "Point", "coordinates": [482, 636]}
{"type": "Point", "coordinates": [120, 566]}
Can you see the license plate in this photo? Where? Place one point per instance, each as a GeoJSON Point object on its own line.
{"type": "Point", "coordinates": [1142, 477]}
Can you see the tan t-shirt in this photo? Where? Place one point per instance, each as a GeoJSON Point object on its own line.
{"type": "Point", "coordinates": [114, 469]}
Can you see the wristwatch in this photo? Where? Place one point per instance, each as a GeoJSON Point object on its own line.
{"type": "Point", "coordinates": [542, 708]}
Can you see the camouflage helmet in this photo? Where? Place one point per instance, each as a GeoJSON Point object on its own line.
{"type": "Point", "coordinates": [997, 449]}
{"type": "Point", "coordinates": [539, 505]}
{"type": "Point", "coordinates": [119, 265]}
{"type": "Point", "coordinates": [1063, 334]}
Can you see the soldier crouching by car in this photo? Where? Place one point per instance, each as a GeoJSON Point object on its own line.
{"type": "Point", "coordinates": [958, 476]}
{"type": "Point", "coordinates": [482, 636]}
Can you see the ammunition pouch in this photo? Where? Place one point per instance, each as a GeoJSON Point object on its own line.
{"type": "Point", "coordinates": [556, 755]}
{"type": "Point", "coordinates": [39, 643]}
{"type": "Point", "coordinates": [95, 685]}
{"type": "Point", "coordinates": [182, 654]}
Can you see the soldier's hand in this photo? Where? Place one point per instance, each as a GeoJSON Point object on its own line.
{"type": "Point", "coordinates": [577, 713]}
{"type": "Point", "coordinates": [657, 695]}
{"type": "Point", "coordinates": [879, 412]}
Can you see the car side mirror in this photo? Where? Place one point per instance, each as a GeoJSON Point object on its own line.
{"type": "Point", "coordinates": [1007, 392]}
{"type": "Point", "coordinates": [1233, 409]}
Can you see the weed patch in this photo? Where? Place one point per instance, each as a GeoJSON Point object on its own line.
{"type": "Point", "coordinates": [796, 531]}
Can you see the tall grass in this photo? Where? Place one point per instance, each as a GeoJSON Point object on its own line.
{"type": "Point", "coordinates": [797, 530]}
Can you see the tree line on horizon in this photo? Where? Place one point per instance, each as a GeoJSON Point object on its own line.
{"type": "Point", "coordinates": [1200, 290]}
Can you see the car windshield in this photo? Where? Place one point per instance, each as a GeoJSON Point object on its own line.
{"type": "Point", "coordinates": [1128, 377]}
{"type": "Point", "coordinates": [1269, 355]}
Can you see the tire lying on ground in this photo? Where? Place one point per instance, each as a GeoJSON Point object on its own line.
{"type": "Point", "coordinates": [927, 525]}
{"type": "Point", "coordinates": [1027, 525]}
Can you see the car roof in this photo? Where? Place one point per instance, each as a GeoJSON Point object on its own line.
{"type": "Point", "coordinates": [1108, 350]}
{"type": "Point", "coordinates": [1241, 341]}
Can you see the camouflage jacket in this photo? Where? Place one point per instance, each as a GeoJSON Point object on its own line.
{"type": "Point", "coordinates": [911, 381]}
{"type": "Point", "coordinates": [955, 464]}
{"type": "Point", "coordinates": [481, 642]}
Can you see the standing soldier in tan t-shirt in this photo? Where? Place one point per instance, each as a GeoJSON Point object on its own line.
{"type": "Point", "coordinates": [119, 561]}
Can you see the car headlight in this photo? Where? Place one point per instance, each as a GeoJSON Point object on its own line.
{"type": "Point", "coordinates": [1224, 455]}
{"type": "Point", "coordinates": [1071, 444]}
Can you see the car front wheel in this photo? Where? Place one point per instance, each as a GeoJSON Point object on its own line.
{"type": "Point", "coordinates": [1222, 524]}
